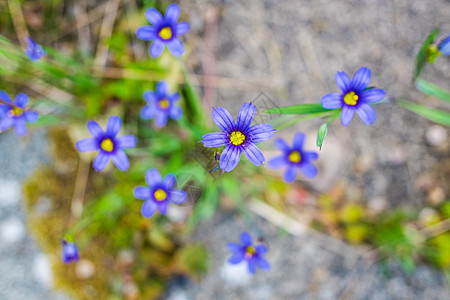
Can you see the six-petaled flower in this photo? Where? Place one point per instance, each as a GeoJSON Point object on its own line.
{"type": "Point", "coordinates": [14, 113]}
{"type": "Point", "coordinates": [108, 144]}
{"type": "Point", "coordinates": [294, 158]}
{"type": "Point", "coordinates": [34, 51]}
{"type": "Point", "coordinates": [70, 252]}
{"type": "Point", "coordinates": [159, 193]}
{"type": "Point", "coordinates": [238, 137]}
{"type": "Point", "coordinates": [165, 31]}
{"type": "Point", "coordinates": [355, 97]}
{"type": "Point", "coordinates": [252, 254]}
{"type": "Point", "coordinates": [161, 105]}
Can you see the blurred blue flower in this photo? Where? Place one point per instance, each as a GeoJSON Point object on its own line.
{"type": "Point", "coordinates": [253, 254]}
{"type": "Point", "coordinates": [294, 158]}
{"type": "Point", "coordinates": [161, 105]}
{"type": "Point", "coordinates": [70, 252]}
{"type": "Point", "coordinates": [165, 31]}
{"type": "Point", "coordinates": [238, 137]}
{"type": "Point", "coordinates": [159, 193]}
{"type": "Point", "coordinates": [15, 113]}
{"type": "Point", "coordinates": [34, 51]}
{"type": "Point", "coordinates": [108, 144]}
{"type": "Point", "coordinates": [355, 97]}
{"type": "Point", "coordinates": [444, 46]}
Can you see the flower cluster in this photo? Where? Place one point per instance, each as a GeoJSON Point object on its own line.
{"type": "Point", "coordinates": [15, 113]}
{"type": "Point", "coordinates": [252, 254]}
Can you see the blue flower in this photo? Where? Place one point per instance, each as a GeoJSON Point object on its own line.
{"type": "Point", "coordinates": [444, 46]}
{"type": "Point", "coordinates": [238, 137]}
{"type": "Point", "coordinates": [15, 113]}
{"type": "Point", "coordinates": [253, 254]}
{"type": "Point", "coordinates": [159, 193]}
{"type": "Point", "coordinates": [165, 31]}
{"type": "Point", "coordinates": [294, 158]}
{"type": "Point", "coordinates": [161, 105]}
{"type": "Point", "coordinates": [108, 144]}
{"type": "Point", "coordinates": [70, 252]}
{"type": "Point", "coordinates": [355, 96]}
{"type": "Point", "coordinates": [34, 51]}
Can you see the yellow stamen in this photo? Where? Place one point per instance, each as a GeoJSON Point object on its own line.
{"type": "Point", "coordinates": [15, 111]}
{"type": "Point", "coordinates": [351, 98]}
{"type": "Point", "coordinates": [237, 138]}
{"type": "Point", "coordinates": [295, 157]}
{"type": "Point", "coordinates": [107, 145]}
{"type": "Point", "coordinates": [163, 103]}
{"type": "Point", "coordinates": [165, 33]}
{"type": "Point", "coordinates": [250, 251]}
{"type": "Point", "coordinates": [160, 195]}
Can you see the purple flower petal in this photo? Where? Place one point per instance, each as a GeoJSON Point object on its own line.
{"type": "Point", "coordinates": [148, 208]}
{"type": "Point", "coordinates": [281, 145]}
{"type": "Point", "coordinates": [223, 119]}
{"type": "Point", "coordinates": [4, 108]}
{"type": "Point", "coordinates": [94, 129]}
{"type": "Point", "coordinates": [5, 97]}
{"type": "Point", "coordinates": [261, 132]}
{"type": "Point", "coordinates": [172, 13]}
{"type": "Point", "coordinates": [254, 154]}
{"type": "Point", "coordinates": [366, 113]}
{"type": "Point", "coordinates": [236, 258]}
{"type": "Point", "coordinates": [299, 140]}
{"type": "Point", "coordinates": [372, 95]}
{"type": "Point", "coordinates": [21, 100]}
{"type": "Point", "coordinates": [161, 119]}
{"type": "Point", "coordinates": [142, 192]}
{"type": "Point", "coordinates": [101, 161]}
{"type": "Point", "coordinates": [290, 174]}
{"type": "Point", "coordinates": [6, 123]}
{"type": "Point", "coordinates": [169, 181]}
{"type": "Point", "coordinates": [346, 115]}
{"type": "Point", "coordinates": [87, 145]}
{"type": "Point", "coordinates": [234, 247]}
{"type": "Point", "coordinates": [113, 126]}
{"type": "Point", "coordinates": [361, 79]}
{"type": "Point", "coordinates": [69, 253]}
{"type": "Point", "coordinates": [152, 177]}
{"type": "Point", "coordinates": [162, 207]}
{"type": "Point", "coordinates": [20, 127]}
{"type": "Point", "coordinates": [176, 47]}
{"type": "Point", "coordinates": [332, 101]}
{"type": "Point", "coordinates": [261, 249]}
{"type": "Point", "coordinates": [263, 264]}
{"type": "Point", "coordinates": [245, 117]}
{"type": "Point", "coordinates": [174, 97]}
{"type": "Point", "coordinates": [246, 239]}
{"type": "Point", "coordinates": [149, 111]}
{"type": "Point", "coordinates": [153, 16]}
{"type": "Point", "coordinates": [309, 156]}
{"type": "Point", "coordinates": [177, 196]}
{"type": "Point", "coordinates": [309, 170]}
{"type": "Point", "coordinates": [175, 112]}
{"type": "Point", "coordinates": [150, 96]}
{"type": "Point", "coordinates": [343, 82]}
{"type": "Point", "coordinates": [444, 46]}
{"type": "Point", "coordinates": [252, 266]}
{"type": "Point", "coordinates": [146, 33]}
{"type": "Point", "coordinates": [162, 88]}
{"type": "Point", "coordinates": [277, 162]}
{"type": "Point", "coordinates": [157, 48]}
{"type": "Point", "coordinates": [182, 28]}
{"type": "Point", "coordinates": [126, 141]}
{"type": "Point", "coordinates": [30, 116]}
{"type": "Point", "coordinates": [229, 158]}
{"type": "Point", "coordinates": [120, 159]}
{"type": "Point", "coordinates": [215, 139]}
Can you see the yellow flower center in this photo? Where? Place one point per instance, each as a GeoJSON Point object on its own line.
{"type": "Point", "coordinates": [15, 111]}
{"type": "Point", "coordinates": [351, 98]}
{"type": "Point", "coordinates": [237, 138]}
{"type": "Point", "coordinates": [295, 157]}
{"type": "Point", "coordinates": [107, 145]}
{"type": "Point", "coordinates": [165, 33]}
{"type": "Point", "coordinates": [163, 103]}
{"type": "Point", "coordinates": [160, 195]}
{"type": "Point", "coordinates": [250, 251]}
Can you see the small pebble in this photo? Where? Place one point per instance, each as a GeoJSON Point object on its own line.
{"type": "Point", "coordinates": [436, 135]}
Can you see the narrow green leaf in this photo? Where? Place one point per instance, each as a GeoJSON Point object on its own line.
{"type": "Point", "coordinates": [435, 115]}
{"type": "Point", "coordinates": [281, 122]}
{"type": "Point", "coordinates": [321, 134]}
{"type": "Point", "coordinates": [432, 90]}
{"type": "Point", "coordinates": [421, 57]}
{"type": "Point", "coordinates": [300, 109]}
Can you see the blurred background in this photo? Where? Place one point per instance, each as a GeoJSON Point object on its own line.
{"type": "Point", "coordinates": [374, 224]}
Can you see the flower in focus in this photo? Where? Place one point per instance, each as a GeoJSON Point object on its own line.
{"type": "Point", "coordinates": [253, 254]}
{"type": "Point", "coordinates": [70, 252]}
{"type": "Point", "coordinates": [355, 97]}
{"type": "Point", "coordinates": [34, 51]}
{"type": "Point", "coordinates": [15, 113]}
{"type": "Point", "coordinates": [161, 105]}
{"type": "Point", "coordinates": [165, 31]}
{"type": "Point", "coordinates": [108, 144]}
{"type": "Point", "coordinates": [238, 137]}
{"type": "Point", "coordinates": [444, 46]}
{"type": "Point", "coordinates": [294, 158]}
{"type": "Point", "coordinates": [159, 193]}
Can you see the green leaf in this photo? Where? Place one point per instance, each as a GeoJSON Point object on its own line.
{"type": "Point", "coordinates": [421, 57]}
{"type": "Point", "coordinates": [435, 115]}
{"type": "Point", "coordinates": [300, 109]}
{"type": "Point", "coordinates": [321, 134]}
{"type": "Point", "coordinates": [281, 122]}
{"type": "Point", "coordinates": [432, 90]}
